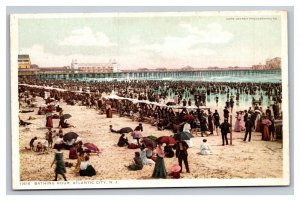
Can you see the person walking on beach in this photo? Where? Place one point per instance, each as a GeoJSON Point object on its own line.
{"type": "Point", "coordinates": [159, 169]}
{"type": "Point", "coordinates": [226, 113]}
{"type": "Point", "coordinates": [49, 121]}
{"type": "Point", "coordinates": [181, 148]}
{"type": "Point", "coordinates": [216, 118]}
{"type": "Point", "coordinates": [225, 128]}
{"type": "Point", "coordinates": [248, 127]}
{"type": "Point", "coordinates": [31, 143]}
{"type": "Point", "coordinates": [217, 100]}
{"type": "Point", "coordinates": [210, 123]}
{"type": "Point", "coordinates": [60, 165]}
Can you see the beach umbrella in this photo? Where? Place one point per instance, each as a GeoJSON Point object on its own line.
{"type": "Point", "coordinates": [148, 142]}
{"type": "Point", "coordinates": [183, 136]}
{"type": "Point", "coordinates": [67, 116]}
{"type": "Point", "coordinates": [126, 130]}
{"type": "Point", "coordinates": [69, 136]}
{"type": "Point", "coordinates": [188, 117]}
{"type": "Point", "coordinates": [166, 139]}
{"type": "Point", "coordinates": [175, 168]}
{"type": "Point", "coordinates": [92, 147]}
{"type": "Point", "coordinates": [152, 137]}
{"type": "Point", "coordinates": [171, 103]}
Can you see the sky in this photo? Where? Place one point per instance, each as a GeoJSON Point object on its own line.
{"type": "Point", "coordinates": [151, 41]}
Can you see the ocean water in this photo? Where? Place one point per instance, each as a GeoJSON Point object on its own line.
{"type": "Point", "coordinates": [245, 100]}
{"type": "Point", "coordinates": [261, 77]}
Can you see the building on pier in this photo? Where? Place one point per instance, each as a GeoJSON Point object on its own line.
{"type": "Point", "coordinates": [24, 61]}
{"type": "Point", "coordinates": [110, 67]}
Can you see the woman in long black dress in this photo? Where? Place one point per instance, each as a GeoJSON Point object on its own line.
{"type": "Point", "coordinates": [159, 169]}
{"type": "Point", "coordinates": [60, 165]}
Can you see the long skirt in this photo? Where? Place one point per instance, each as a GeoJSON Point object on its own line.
{"type": "Point", "coordinates": [159, 169]}
{"type": "Point", "coordinates": [266, 135]}
{"type": "Point", "coordinates": [49, 123]}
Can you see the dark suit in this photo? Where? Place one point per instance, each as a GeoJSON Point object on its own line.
{"type": "Point", "coordinates": [248, 126]}
{"type": "Point", "coordinates": [224, 130]}
{"type": "Point", "coordinates": [182, 154]}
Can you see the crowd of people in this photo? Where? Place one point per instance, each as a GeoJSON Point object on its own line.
{"type": "Point", "coordinates": [180, 119]}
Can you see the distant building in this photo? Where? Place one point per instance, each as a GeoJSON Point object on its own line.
{"type": "Point", "coordinates": [111, 66]}
{"type": "Point", "coordinates": [274, 63]}
{"type": "Point", "coordinates": [187, 68]}
{"type": "Point", "coordinates": [24, 61]}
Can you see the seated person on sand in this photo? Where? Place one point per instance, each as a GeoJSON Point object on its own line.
{"type": "Point", "coordinates": [204, 148]}
{"type": "Point", "coordinates": [45, 145]}
{"type": "Point", "coordinates": [112, 130]}
{"type": "Point", "coordinates": [69, 143]}
{"type": "Point", "coordinates": [23, 123]}
{"type": "Point", "coordinates": [41, 111]}
{"type": "Point", "coordinates": [137, 162]}
{"type": "Point", "coordinates": [123, 141]}
{"type": "Point", "coordinates": [39, 147]}
{"type": "Point", "coordinates": [79, 147]}
{"type": "Point", "coordinates": [65, 124]}
{"type": "Point", "coordinates": [31, 143]}
{"type": "Point", "coordinates": [26, 111]}
{"type": "Point", "coordinates": [79, 160]}
{"type": "Point", "coordinates": [73, 152]}
{"type": "Point", "coordinates": [169, 153]}
{"type": "Point", "coordinates": [58, 109]}
{"type": "Point", "coordinates": [143, 155]}
{"type": "Point", "coordinates": [86, 169]}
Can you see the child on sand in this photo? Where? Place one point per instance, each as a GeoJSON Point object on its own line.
{"type": "Point", "coordinates": [31, 143]}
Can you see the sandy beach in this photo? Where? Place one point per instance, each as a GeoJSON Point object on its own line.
{"type": "Point", "coordinates": [255, 159]}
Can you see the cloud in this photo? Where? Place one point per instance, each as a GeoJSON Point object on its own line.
{"type": "Point", "coordinates": [86, 37]}
{"type": "Point", "coordinates": [211, 34]}
{"type": "Point", "coordinates": [40, 56]}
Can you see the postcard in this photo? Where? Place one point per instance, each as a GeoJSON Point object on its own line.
{"type": "Point", "coordinates": [149, 100]}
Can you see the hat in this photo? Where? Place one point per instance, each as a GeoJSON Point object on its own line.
{"type": "Point", "coordinates": [175, 168]}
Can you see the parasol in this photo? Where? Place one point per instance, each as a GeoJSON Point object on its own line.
{"type": "Point", "coordinates": [67, 116]}
{"type": "Point", "coordinates": [126, 130]}
{"type": "Point", "coordinates": [92, 147]}
{"type": "Point", "coordinates": [152, 137]}
{"type": "Point", "coordinates": [183, 136]}
{"type": "Point", "coordinates": [69, 136]}
{"type": "Point", "coordinates": [175, 168]}
{"type": "Point", "coordinates": [188, 117]}
{"type": "Point", "coordinates": [148, 142]}
{"type": "Point", "coordinates": [166, 139]}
